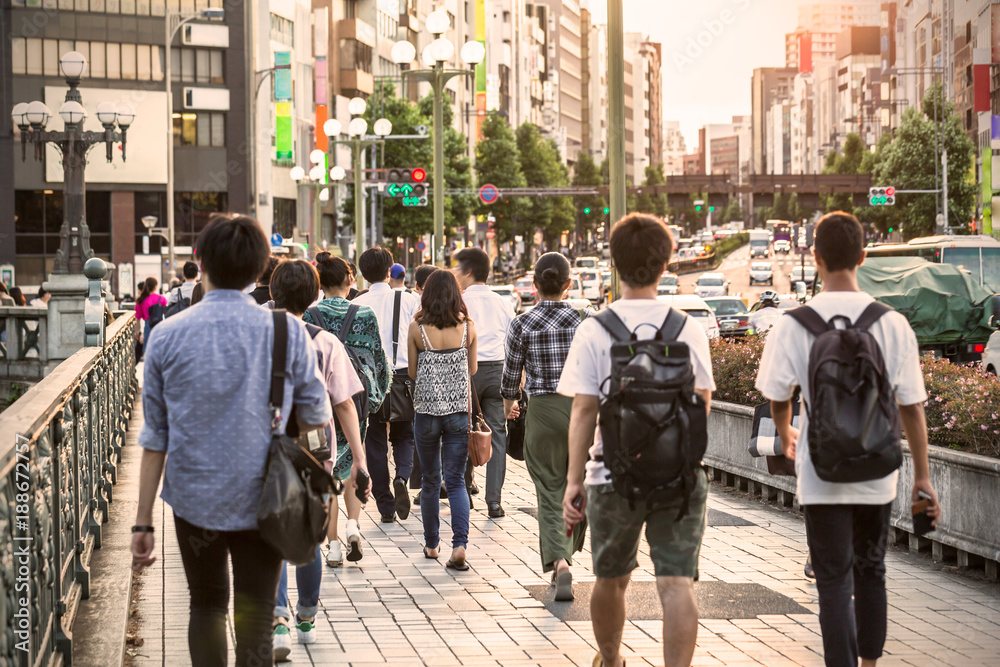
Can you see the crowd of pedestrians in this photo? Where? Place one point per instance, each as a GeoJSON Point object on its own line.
{"type": "Point", "coordinates": [615, 403]}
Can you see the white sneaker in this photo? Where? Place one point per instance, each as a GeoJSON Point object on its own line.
{"type": "Point", "coordinates": [353, 542]}
{"type": "Point", "coordinates": [306, 631]}
{"type": "Point", "coordinates": [282, 643]}
{"type": "Point", "coordinates": [334, 556]}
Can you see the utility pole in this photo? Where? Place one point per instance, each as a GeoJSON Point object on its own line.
{"type": "Point", "coordinates": [944, 186]}
{"type": "Point", "coordinates": [616, 120]}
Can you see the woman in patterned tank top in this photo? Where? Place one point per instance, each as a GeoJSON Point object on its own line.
{"type": "Point", "coordinates": [442, 359]}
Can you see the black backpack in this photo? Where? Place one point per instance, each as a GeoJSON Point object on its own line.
{"type": "Point", "coordinates": [854, 424]}
{"type": "Point", "coordinates": [155, 313]}
{"type": "Point", "coordinates": [179, 304]}
{"type": "Point", "coordinates": [361, 398]}
{"type": "Point", "coordinates": [654, 427]}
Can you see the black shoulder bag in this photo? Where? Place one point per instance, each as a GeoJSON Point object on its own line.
{"type": "Point", "coordinates": [398, 404]}
{"type": "Point", "coordinates": [293, 512]}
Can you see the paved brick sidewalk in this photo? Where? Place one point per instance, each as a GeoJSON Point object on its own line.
{"type": "Point", "coordinates": [397, 608]}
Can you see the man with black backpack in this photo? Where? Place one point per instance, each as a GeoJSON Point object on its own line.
{"type": "Point", "coordinates": [180, 297]}
{"type": "Point", "coordinates": [858, 366]}
{"type": "Point", "coordinates": [645, 369]}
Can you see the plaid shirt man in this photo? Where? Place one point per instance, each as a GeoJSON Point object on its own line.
{"type": "Point", "coordinates": [538, 342]}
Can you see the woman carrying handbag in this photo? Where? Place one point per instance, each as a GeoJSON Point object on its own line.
{"type": "Point", "coordinates": [442, 359]}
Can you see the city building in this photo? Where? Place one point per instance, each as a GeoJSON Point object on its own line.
{"type": "Point", "coordinates": [125, 51]}
{"type": "Point", "coordinates": [595, 89]}
{"type": "Point", "coordinates": [815, 38]}
{"type": "Point", "coordinates": [563, 115]}
{"type": "Point", "coordinates": [769, 85]}
{"type": "Point", "coordinates": [674, 148]}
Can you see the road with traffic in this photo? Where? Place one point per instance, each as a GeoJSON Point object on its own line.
{"type": "Point", "coordinates": [736, 269]}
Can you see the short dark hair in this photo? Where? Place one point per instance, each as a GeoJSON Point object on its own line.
{"type": "Point", "coordinates": [641, 246]}
{"type": "Point", "coordinates": [41, 292]}
{"type": "Point", "coordinates": [474, 261]}
{"type": "Point", "coordinates": [422, 273]}
{"type": "Point", "coordinates": [333, 271]}
{"type": "Point", "coordinates": [233, 251]}
{"type": "Point", "coordinates": [839, 240]}
{"type": "Point", "coordinates": [375, 264]}
{"type": "Point", "coordinates": [294, 285]}
{"type": "Point", "coordinates": [190, 270]}
{"type": "Point", "coordinates": [551, 273]}
{"type": "Point", "coordinates": [265, 276]}
{"type": "Point", "coordinates": [354, 268]}
{"type": "Point", "coordinates": [441, 304]}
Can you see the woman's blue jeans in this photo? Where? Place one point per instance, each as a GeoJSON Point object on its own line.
{"type": "Point", "coordinates": [443, 443]}
{"type": "Point", "coordinates": [307, 578]}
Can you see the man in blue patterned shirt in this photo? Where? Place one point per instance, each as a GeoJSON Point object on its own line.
{"type": "Point", "coordinates": [206, 391]}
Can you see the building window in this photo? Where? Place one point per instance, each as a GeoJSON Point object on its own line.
{"type": "Point", "coordinates": [201, 128]}
{"type": "Point", "coordinates": [284, 216]}
{"type": "Point", "coordinates": [355, 55]}
{"type": "Point", "coordinates": [282, 30]}
{"type": "Point", "coordinates": [196, 65]}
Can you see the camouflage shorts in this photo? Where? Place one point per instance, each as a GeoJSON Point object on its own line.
{"type": "Point", "coordinates": [615, 529]}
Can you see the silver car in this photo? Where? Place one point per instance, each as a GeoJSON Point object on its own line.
{"type": "Point", "coordinates": [711, 284]}
{"type": "Point", "coordinates": [761, 272]}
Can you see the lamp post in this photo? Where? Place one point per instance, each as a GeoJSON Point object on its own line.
{"type": "Point", "coordinates": [172, 23]}
{"type": "Point", "coordinates": [359, 140]}
{"type": "Point", "coordinates": [434, 57]}
{"type": "Point", "coordinates": [314, 181]}
{"type": "Point", "coordinates": [74, 143]}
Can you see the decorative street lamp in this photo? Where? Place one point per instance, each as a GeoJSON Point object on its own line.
{"type": "Point", "coordinates": [74, 143]}
{"type": "Point", "coordinates": [434, 58]}
{"type": "Point", "coordinates": [358, 139]}
{"type": "Point", "coordinates": [313, 179]}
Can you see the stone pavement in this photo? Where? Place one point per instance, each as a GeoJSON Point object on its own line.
{"type": "Point", "coordinates": [396, 608]}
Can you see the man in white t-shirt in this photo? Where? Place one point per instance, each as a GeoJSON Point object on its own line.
{"type": "Point", "coordinates": [640, 247]}
{"type": "Point", "coordinates": [841, 515]}
{"type": "Point", "coordinates": [186, 288]}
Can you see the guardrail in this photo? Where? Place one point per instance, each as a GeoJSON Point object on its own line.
{"type": "Point", "coordinates": [59, 456]}
{"type": "Point", "coordinates": [23, 345]}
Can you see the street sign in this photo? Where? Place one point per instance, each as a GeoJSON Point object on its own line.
{"type": "Point", "coordinates": [421, 246]}
{"type": "Point", "coordinates": [489, 193]}
{"type": "Point", "coordinates": [276, 239]}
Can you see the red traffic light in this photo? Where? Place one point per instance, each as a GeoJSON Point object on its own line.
{"type": "Point", "coordinates": [890, 191]}
{"type": "Point", "coordinates": [419, 175]}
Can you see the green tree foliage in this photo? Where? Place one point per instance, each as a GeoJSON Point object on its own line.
{"type": "Point", "coordinates": [651, 203]}
{"type": "Point", "coordinates": [848, 162]}
{"type": "Point", "coordinates": [588, 174]}
{"type": "Point", "coordinates": [457, 166]}
{"type": "Point", "coordinates": [733, 212]}
{"type": "Point", "coordinates": [499, 162]}
{"type": "Point", "coordinates": [908, 163]}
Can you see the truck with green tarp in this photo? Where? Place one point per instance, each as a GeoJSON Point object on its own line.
{"type": "Point", "coordinates": [951, 314]}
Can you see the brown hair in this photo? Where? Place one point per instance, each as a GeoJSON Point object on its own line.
{"type": "Point", "coordinates": [333, 271]}
{"type": "Point", "coordinates": [441, 304]}
{"type": "Point", "coordinates": [839, 241]}
{"type": "Point", "coordinates": [640, 247]}
{"type": "Point", "coordinates": [294, 285]}
{"type": "Point", "coordinates": [233, 251]}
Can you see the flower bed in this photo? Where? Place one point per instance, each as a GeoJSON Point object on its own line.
{"type": "Point", "coordinates": [963, 403]}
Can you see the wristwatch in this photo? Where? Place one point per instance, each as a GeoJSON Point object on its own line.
{"type": "Point", "coordinates": [143, 529]}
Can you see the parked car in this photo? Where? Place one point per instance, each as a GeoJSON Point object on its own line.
{"type": "Point", "coordinates": [809, 277]}
{"type": "Point", "coordinates": [592, 287]}
{"type": "Point", "coordinates": [668, 285]}
{"type": "Point", "coordinates": [525, 288]}
{"type": "Point", "coordinates": [575, 290]}
{"type": "Point", "coordinates": [731, 314]}
{"type": "Point", "coordinates": [761, 272]}
{"type": "Point", "coordinates": [509, 293]}
{"type": "Point", "coordinates": [697, 308]}
{"type": "Point", "coordinates": [711, 284]}
{"type": "Point", "coordinates": [991, 355]}
{"type": "Point", "coordinates": [586, 262]}
{"type": "Point", "coordinates": [783, 246]}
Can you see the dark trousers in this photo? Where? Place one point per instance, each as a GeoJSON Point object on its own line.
{"type": "Point", "coordinates": [487, 381]}
{"type": "Point", "coordinates": [847, 544]}
{"type": "Point", "coordinates": [256, 571]}
{"type": "Point", "coordinates": [400, 434]}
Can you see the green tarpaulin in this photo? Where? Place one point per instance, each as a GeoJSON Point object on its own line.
{"type": "Point", "coordinates": [941, 302]}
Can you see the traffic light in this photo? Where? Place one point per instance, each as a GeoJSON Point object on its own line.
{"type": "Point", "coordinates": [711, 209]}
{"type": "Point", "coordinates": [607, 210]}
{"type": "Point", "coordinates": [408, 184]}
{"type": "Point", "coordinates": [586, 210]}
{"type": "Point", "coordinates": [890, 230]}
{"type": "Point", "coordinates": [882, 196]}
{"type": "Point", "coordinates": [698, 207]}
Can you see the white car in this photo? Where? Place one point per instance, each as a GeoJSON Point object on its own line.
{"type": "Point", "coordinates": [991, 355]}
{"type": "Point", "coordinates": [783, 246]}
{"type": "Point", "coordinates": [592, 287]}
{"type": "Point", "coordinates": [711, 284]}
{"type": "Point", "coordinates": [696, 307]}
{"type": "Point", "coordinates": [668, 285]}
{"type": "Point", "coordinates": [575, 290]}
{"type": "Point", "coordinates": [509, 293]}
{"type": "Point", "coordinates": [586, 263]}
{"type": "Point", "coordinates": [761, 272]}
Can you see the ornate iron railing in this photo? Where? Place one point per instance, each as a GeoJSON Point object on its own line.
{"type": "Point", "coordinates": [60, 447]}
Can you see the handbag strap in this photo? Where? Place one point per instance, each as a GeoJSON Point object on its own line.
{"type": "Point", "coordinates": [473, 400]}
{"type": "Point", "coordinates": [278, 356]}
{"type": "Point", "coordinates": [397, 303]}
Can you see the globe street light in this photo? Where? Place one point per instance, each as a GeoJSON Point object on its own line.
{"type": "Point", "coordinates": [74, 143]}
{"type": "Point", "coordinates": [434, 57]}
{"type": "Point", "coordinates": [314, 181]}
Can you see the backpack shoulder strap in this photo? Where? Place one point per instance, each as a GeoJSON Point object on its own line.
{"type": "Point", "coordinates": [345, 326]}
{"type": "Point", "coordinates": [397, 303]}
{"type": "Point", "coordinates": [278, 357]}
{"type": "Point", "coordinates": [613, 324]}
{"type": "Point", "coordinates": [871, 315]}
{"type": "Point", "coordinates": [317, 316]}
{"type": "Point", "coordinates": [673, 324]}
{"type": "Point", "coordinates": [313, 330]}
{"type": "Point", "coordinates": [809, 319]}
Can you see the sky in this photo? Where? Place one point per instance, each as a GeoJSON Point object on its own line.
{"type": "Point", "coordinates": [710, 49]}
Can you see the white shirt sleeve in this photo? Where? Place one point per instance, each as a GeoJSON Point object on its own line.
{"type": "Point", "coordinates": [909, 377]}
{"type": "Point", "coordinates": [776, 378]}
{"type": "Point", "coordinates": [701, 357]}
{"type": "Point", "coordinates": [581, 372]}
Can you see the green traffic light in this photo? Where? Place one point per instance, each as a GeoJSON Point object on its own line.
{"type": "Point", "coordinates": [607, 210]}
{"type": "Point", "coordinates": [586, 211]}
{"type": "Point", "coordinates": [711, 208]}
{"type": "Point", "coordinates": [697, 208]}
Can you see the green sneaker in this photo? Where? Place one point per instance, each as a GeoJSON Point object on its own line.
{"type": "Point", "coordinates": [282, 643]}
{"type": "Point", "coordinates": [306, 631]}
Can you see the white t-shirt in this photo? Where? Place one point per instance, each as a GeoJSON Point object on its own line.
{"type": "Point", "coordinates": [785, 365]}
{"type": "Point", "coordinates": [588, 365]}
{"type": "Point", "coordinates": [186, 288]}
{"type": "Point", "coordinates": [492, 314]}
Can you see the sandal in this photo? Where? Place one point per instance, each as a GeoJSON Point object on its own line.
{"type": "Point", "coordinates": [461, 565]}
{"type": "Point", "coordinates": [564, 586]}
{"type": "Point", "coordinates": [600, 663]}
{"type": "Point", "coordinates": [428, 556]}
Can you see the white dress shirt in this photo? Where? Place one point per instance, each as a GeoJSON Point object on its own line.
{"type": "Point", "coordinates": [380, 298]}
{"type": "Point", "coordinates": [492, 314]}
